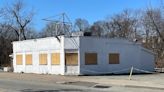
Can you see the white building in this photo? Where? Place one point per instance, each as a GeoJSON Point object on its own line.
{"type": "Point", "coordinates": [80, 55]}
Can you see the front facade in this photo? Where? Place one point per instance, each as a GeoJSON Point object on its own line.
{"type": "Point", "coordinates": [79, 55]}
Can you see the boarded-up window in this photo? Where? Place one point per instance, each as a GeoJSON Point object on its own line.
{"type": "Point", "coordinates": [43, 59]}
{"type": "Point", "coordinates": [55, 58]}
{"type": "Point", "coordinates": [113, 58]}
{"type": "Point", "coordinates": [19, 59]}
{"type": "Point", "coordinates": [71, 59]}
{"type": "Point", "coordinates": [90, 58]}
{"type": "Point", "coordinates": [28, 59]}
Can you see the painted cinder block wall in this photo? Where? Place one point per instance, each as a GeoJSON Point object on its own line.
{"type": "Point", "coordinates": [131, 54]}
{"type": "Point", "coordinates": [147, 59]}
{"type": "Point", "coordinates": [46, 45]}
{"type": "Point", "coordinates": [71, 45]}
{"type": "Point", "coordinates": [35, 47]}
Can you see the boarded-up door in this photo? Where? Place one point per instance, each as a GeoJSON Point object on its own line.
{"type": "Point", "coordinates": [71, 59]}
{"type": "Point", "coordinates": [71, 62]}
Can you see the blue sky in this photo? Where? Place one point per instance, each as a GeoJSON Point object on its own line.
{"type": "Point", "coordinates": [91, 10]}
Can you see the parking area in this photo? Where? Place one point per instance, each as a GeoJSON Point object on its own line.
{"type": "Point", "coordinates": [150, 78]}
{"type": "Point", "coordinates": [111, 82]}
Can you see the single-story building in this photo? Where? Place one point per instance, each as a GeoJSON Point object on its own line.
{"type": "Point", "coordinates": [79, 55]}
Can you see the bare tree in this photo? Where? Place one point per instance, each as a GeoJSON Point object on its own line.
{"type": "Point", "coordinates": [50, 30]}
{"type": "Point", "coordinates": [98, 28]}
{"type": "Point", "coordinates": [55, 29]}
{"type": "Point", "coordinates": [81, 24]}
{"type": "Point", "coordinates": [18, 18]}
{"type": "Point", "coordinates": [153, 22]}
{"type": "Point", "coordinates": [14, 25]}
{"type": "Point", "coordinates": [123, 25]}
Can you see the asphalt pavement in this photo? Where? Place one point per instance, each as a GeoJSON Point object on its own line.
{"type": "Point", "coordinates": [12, 82]}
{"type": "Point", "coordinates": [8, 85]}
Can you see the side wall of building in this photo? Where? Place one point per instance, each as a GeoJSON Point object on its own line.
{"type": "Point", "coordinates": [147, 60]}
{"type": "Point", "coordinates": [129, 55]}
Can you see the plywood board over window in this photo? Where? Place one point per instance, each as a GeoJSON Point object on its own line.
{"type": "Point", "coordinates": [43, 59]}
{"type": "Point", "coordinates": [71, 59]}
{"type": "Point", "coordinates": [114, 58]}
{"type": "Point", "coordinates": [55, 58]}
{"type": "Point", "coordinates": [90, 58]}
{"type": "Point", "coordinates": [19, 59]}
{"type": "Point", "coordinates": [28, 59]}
